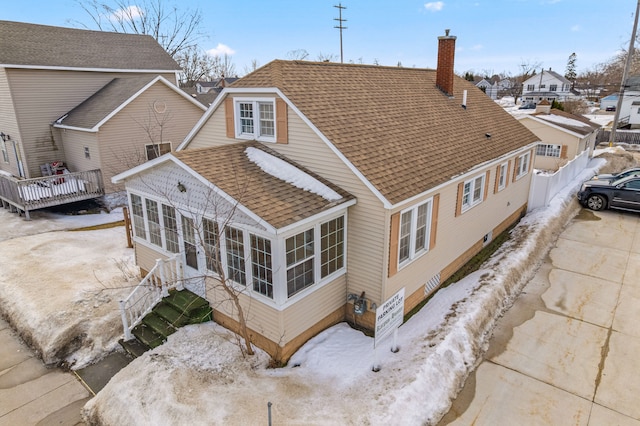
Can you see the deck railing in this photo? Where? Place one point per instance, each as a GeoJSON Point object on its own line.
{"type": "Point", "coordinates": [165, 275]}
{"type": "Point", "coordinates": [38, 193]}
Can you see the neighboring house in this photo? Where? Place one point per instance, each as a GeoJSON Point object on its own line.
{"type": "Point", "coordinates": [490, 89]}
{"type": "Point", "coordinates": [206, 92]}
{"type": "Point", "coordinates": [46, 72]}
{"type": "Point", "coordinates": [129, 121]}
{"type": "Point", "coordinates": [563, 136]}
{"type": "Point", "coordinates": [630, 109]}
{"type": "Point", "coordinates": [548, 85]}
{"type": "Point", "coordinates": [314, 185]}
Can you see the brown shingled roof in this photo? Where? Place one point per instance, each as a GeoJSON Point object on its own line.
{"type": "Point", "coordinates": [102, 103]}
{"type": "Point", "coordinates": [45, 46]}
{"type": "Point", "coordinates": [277, 202]}
{"type": "Point", "coordinates": [402, 133]}
{"type": "Point", "coordinates": [589, 127]}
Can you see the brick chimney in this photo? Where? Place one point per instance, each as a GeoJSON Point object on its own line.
{"type": "Point", "coordinates": [446, 54]}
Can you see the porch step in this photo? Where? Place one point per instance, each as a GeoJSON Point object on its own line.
{"type": "Point", "coordinates": [159, 324]}
{"type": "Point", "coordinates": [147, 335]}
{"type": "Point", "coordinates": [180, 308]}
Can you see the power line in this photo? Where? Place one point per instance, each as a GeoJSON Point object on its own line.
{"type": "Point", "coordinates": [340, 27]}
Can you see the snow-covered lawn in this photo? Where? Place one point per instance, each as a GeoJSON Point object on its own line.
{"type": "Point", "coordinates": [60, 289]}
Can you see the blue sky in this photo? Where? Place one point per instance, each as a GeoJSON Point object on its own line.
{"type": "Point", "coordinates": [492, 35]}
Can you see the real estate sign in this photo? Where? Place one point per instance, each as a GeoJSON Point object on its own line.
{"type": "Point", "coordinates": [389, 316]}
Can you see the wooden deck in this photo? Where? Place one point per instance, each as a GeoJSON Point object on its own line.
{"type": "Point", "coordinates": [37, 193]}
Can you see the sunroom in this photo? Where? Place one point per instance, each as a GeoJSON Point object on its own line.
{"type": "Point", "coordinates": [245, 217]}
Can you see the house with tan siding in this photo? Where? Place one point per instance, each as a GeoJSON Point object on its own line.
{"type": "Point", "coordinates": [563, 136]}
{"type": "Point", "coordinates": [308, 186]}
{"type": "Point", "coordinates": [48, 75]}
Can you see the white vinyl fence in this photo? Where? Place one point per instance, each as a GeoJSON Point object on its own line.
{"type": "Point", "coordinates": [545, 187]}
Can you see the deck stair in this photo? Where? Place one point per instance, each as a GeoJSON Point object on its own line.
{"type": "Point", "coordinates": [180, 308]}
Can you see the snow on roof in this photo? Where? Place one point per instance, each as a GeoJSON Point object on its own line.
{"type": "Point", "coordinates": [291, 174]}
{"type": "Point", "coordinates": [563, 120]}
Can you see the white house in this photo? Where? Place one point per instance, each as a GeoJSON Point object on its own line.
{"type": "Point", "coordinates": [548, 85]}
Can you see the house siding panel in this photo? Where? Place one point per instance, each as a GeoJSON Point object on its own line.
{"type": "Point", "coordinates": [8, 123]}
{"type": "Point", "coordinates": [37, 108]}
{"type": "Point", "coordinates": [74, 143]}
{"type": "Point", "coordinates": [122, 139]}
{"type": "Point", "coordinates": [468, 230]}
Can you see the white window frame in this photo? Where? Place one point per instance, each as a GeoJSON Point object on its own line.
{"type": "Point", "coordinates": [257, 133]}
{"type": "Point", "coordinates": [415, 250]}
{"type": "Point", "coordinates": [548, 150]}
{"type": "Point", "coordinates": [473, 192]}
{"type": "Point", "coordinates": [522, 165]}
{"type": "Point", "coordinates": [157, 148]}
{"type": "Point", "coordinates": [503, 176]}
{"type": "Point", "coordinates": [553, 88]}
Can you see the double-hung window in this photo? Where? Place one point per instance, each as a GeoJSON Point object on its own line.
{"type": "Point", "coordinates": [553, 87]}
{"type": "Point", "coordinates": [153, 220]}
{"type": "Point", "coordinates": [170, 229]}
{"type": "Point", "coordinates": [210, 243]}
{"type": "Point", "coordinates": [261, 268]}
{"type": "Point", "coordinates": [154, 150]}
{"type": "Point", "coordinates": [548, 150]}
{"type": "Point", "coordinates": [502, 176]}
{"type": "Point", "coordinates": [256, 119]}
{"type": "Point", "coordinates": [531, 87]}
{"type": "Point", "coordinates": [138, 216]}
{"type": "Point", "coordinates": [522, 165]}
{"type": "Point", "coordinates": [414, 232]}
{"type": "Point", "coordinates": [473, 192]}
{"type": "Point", "coordinates": [300, 259]}
{"type": "Point", "coordinates": [234, 238]}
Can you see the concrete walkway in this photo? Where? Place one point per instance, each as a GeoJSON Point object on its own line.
{"type": "Point", "coordinates": [30, 393]}
{"type": "Point", "coordinates": [568, 351]}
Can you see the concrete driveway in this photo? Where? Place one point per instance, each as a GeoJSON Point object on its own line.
{"type": "Point", "coordinates": [568, 351]}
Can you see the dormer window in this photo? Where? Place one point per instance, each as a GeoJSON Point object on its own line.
{"type": "Point", "coordinates": [255, 119]}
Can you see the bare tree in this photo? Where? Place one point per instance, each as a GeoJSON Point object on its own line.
{"type": "Point", "coordinates": [196, 65]}
{"type": "Point", "coordinates": [297, 55]}
{"type": "Point", "coordinates": [328, 57]}
{"type": "Point", "coordinates": [222, 67]}
{"type": "Point", "coordinates": [251, 67]}
{"type": "Point", "coordinates": [175, 30]}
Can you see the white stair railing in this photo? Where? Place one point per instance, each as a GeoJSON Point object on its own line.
{"type": "Point", "coordinates": [165, 275]}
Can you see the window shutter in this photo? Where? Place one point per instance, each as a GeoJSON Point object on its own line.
{"type": "Point", "coordinates": [530, 162]}
{"type": "Point", "coordinates": [486, 185]}
{"type": "Point", "coordinates": [459, 199]}
{"type": "Point", "coordinates": [563, 151]}
{"type": "Point", "coordinates": [228, 116]}
{"type": "Point", "coordinates": [434, 221]}
{"type": "Point", "coordinates": [515, 169]}
{"type": "Point", "coordinates": [393, 244]}
{"type": "Point", "coordinates": [506, 177]}
{"type": "Point", "coordinates": [497, 181]}
{"type": "Point", "coordinates": [281, 122]}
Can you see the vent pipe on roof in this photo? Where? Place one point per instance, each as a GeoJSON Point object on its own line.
{"type": "Point", "coordinates": [446, 54]}
{"type": "Point", "coordinates": [464, 99]}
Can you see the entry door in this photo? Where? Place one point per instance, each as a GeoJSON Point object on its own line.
{"type": "Point", "coordinates": [194, 276]}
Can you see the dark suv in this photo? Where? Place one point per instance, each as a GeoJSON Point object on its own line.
{"type": "Point", "coordinates": [605, 194]}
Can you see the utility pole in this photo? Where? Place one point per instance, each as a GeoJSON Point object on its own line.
{"type": "Point", "coordinates": [616, 117]}
{"type": "Point", "coordinates": [340, 27]}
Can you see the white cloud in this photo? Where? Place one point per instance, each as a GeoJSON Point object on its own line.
{"type": "Point", "coordinates": [575, 28]}
{"type": "Point", "coordinates": [477, 47]}
{"type": "Point", "coordinates": [131, 12]}
{"type": "Point", "coordinates": [221, 50]}
{"type": "Point", "coordinates": [435, 6]}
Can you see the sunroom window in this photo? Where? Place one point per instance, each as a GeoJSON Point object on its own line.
{"type": "Point", "coordinates": [300, 259]}
{"type": "Point", "coordinates": [138, 216]}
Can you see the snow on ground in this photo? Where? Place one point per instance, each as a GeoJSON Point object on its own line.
{"type": "Point", "coordinates": [200, 378]}
{"type": "Point", "coordinates": [60, 288]}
